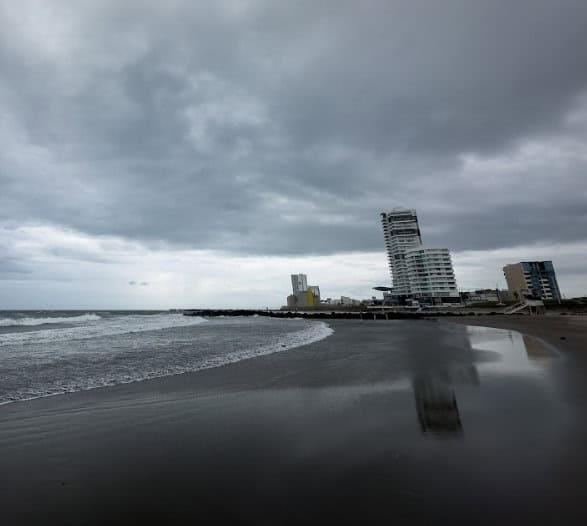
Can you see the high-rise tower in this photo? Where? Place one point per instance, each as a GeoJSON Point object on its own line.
{"type": "Point", "coordinates": [299, 283]}
{"type": "Point", "coordinates": [401, 232]}
{"type": "Point", "coordinates": [420, 273]}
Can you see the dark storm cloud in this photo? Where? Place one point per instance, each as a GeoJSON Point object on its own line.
{"type": "Point", "coordinates": [267, 127]}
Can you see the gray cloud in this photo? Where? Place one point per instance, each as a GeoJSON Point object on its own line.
{"type": "Point", "coordinates": [284, 128]}
{"type": "Point", "coordinates": [12, 267]}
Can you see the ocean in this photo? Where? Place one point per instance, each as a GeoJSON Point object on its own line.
{"type": "Point", "coordinates": [45, 353]}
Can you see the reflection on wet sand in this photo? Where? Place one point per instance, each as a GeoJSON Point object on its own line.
{"type": "Point", "coordinates": [535, 349]}
{"type": "Point", "coordinates": [519, 353]}
{"type": "Point", "coordinates": [436, 402]}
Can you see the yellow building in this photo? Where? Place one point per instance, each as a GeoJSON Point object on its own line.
{"type": "Point", "coordinates": [306, 298]}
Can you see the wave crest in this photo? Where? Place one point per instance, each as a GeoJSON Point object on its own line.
{"type": "Point", "coordinates": [29, 322]}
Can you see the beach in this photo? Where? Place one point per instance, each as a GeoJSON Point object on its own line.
{"type": "Point", "coordinates": [406, 422]}
{"type": "Point", "coordinates": [568, 332]}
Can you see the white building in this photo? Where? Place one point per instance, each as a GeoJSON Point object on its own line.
{"type": "Point", "coordinates": [401, 232]}
{"type": "Point", "coordinates": [430, 274]}
{"type": "Point", "coordinates": [417, 272]}
{"type": "Point", "coordinates": [299, 283]}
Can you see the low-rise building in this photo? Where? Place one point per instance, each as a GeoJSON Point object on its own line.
{"type": "Point", "coordinates": [506, 296]}
{"type": "Point", "coordinates": [342, 301]}
{"type": "Point", "coordinates": [487, 296]}
{"type": "Point", "coordinates": [346, 300]}
{"type": "Point", "coordinates": [481, 296]}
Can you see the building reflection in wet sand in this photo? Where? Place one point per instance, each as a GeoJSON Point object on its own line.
{"type": "Point", "coordinates": [536, 350]}
{"type": "Point", "coordinates": [436, 402]}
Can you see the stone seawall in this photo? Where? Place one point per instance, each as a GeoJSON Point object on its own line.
{"type": "Point", "coordinates": [350, 315]}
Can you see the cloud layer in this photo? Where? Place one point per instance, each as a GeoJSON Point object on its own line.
{"type": "Point", "coordinates": [266, 128]}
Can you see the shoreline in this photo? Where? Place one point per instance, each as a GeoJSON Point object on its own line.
{"type": "Point", "coordinates": [548, 329]}
{"type": "Point", "coordinates": [318, 331]}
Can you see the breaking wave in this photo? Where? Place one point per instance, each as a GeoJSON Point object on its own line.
{"type": "Point", "coordinates": [96, 327]}
{"type": "Point", "coordinates": [30, 322]}
{"type": "Point", "coordinates": [133, 348]}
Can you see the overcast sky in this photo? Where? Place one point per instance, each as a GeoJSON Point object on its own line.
{"type": "Point", "coordinates": [181, 153]}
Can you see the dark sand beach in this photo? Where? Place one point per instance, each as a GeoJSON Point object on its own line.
{"type": "Point", "coordinates": [399, 422]}
{"type": "Point", "coordinates": [568, 333]}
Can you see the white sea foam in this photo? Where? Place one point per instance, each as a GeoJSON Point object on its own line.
{"type": "Point", "coordinates": [96, 327]}
{"type": "Point", "coordinates": [30, 322]}
{"type": "Point", "coordinates": [314, 333]}
{"type": "Point", "coordinates": [102, 373]}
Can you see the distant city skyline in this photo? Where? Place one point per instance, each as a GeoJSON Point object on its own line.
{"type": "Point", "coordinates": [205, 150]}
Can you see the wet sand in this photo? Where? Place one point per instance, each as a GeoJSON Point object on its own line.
{"type": "Point", "coordinates": [568, 333]}
{"type": "Point", "coordinates": [404, 422]}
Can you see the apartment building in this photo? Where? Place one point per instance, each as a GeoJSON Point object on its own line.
{"type": "Point", "coordinates": [401, 233]}
{"type": "Point", "coordinates": [418, 272]}
{"type": "Point", "coordinates": [536, 279]}
{"type": "Point", "coordinates": [431, 275]}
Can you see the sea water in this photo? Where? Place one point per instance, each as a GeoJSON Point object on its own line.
{"type": "Point", "coordinates": [44, 353]}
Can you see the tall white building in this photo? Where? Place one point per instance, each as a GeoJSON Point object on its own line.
{"type": "Point", "coordinates": [299, 283]}
{"type": "Point", "coordinates": [401, 232]}
{"type": "Point", "coordinates": [417, 272]}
